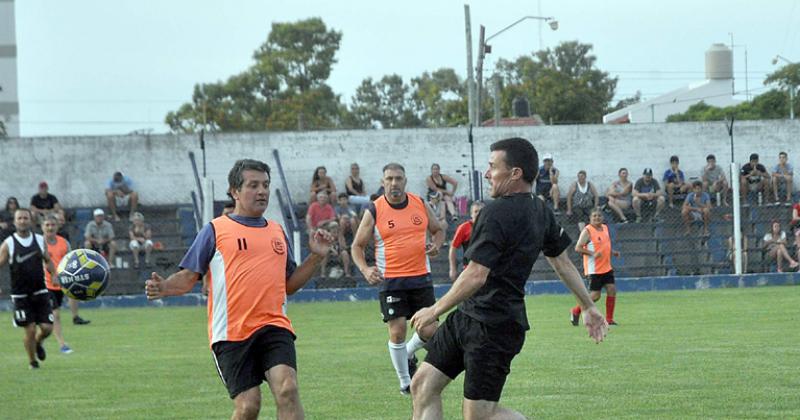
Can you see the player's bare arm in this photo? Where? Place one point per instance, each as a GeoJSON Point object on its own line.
{"type": "Point", "coordinates": [371, 273]}
{"type": "Point", "coordinates": [436, 231]}
{"type": "Point", "coordinates": [175, 285]}
{"type": "Point", "coordinates": [583, 239]}
{"type": "Point", "coordinates": [451, 257]}
{"type": "Point", "coordinates": [319, 244]}
{"type": "Point", "coordinates": [594, 321]}
{"type": "Point", "coordinates": [471, 279]}
{"type": "Point", "coordinates": [48, 263]}
{"type": "Point", "coordinates": [3, 254]}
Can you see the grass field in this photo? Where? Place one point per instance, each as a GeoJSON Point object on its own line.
{"type": "Point", "coordinates": [731, 353]}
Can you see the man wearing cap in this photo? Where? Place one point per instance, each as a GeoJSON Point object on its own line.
{"type": "Point", "coordinates": [99, 235]}
{"type": "Point", "coordinates": [119, 192]}
{"type": "Point", "coordinates": [547, 182]}
{"type": "Point", "coordinates": [754, 177]}
{"type": "Point", "coordinates": [647, 192]}
{"type": "Point", "coordinates": [714, 180]}
{"type": "Point", "coordinates": [44, 203]}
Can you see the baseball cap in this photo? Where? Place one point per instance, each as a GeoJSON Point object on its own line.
{"type": "Point", "coordinates": [43, 184]}
{"type": "Point", "coordinates": [647, 171]}
{"type": "Point", "coordinates": [547, 156]}
{"type": "Point", "coordinates": [99, 212]}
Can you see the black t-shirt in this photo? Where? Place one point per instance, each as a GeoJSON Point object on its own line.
{"type": "Point", "coordinates": [507, 238]}
{"type": "Point", "coordinates": [747, 168]}
{"type": "Point", "coordinates": [45, 203]}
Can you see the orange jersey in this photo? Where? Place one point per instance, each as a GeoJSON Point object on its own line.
{"type": "Point", "coordinates": [400, 238]}
{"type": "Point", "coordinates": [247, 282]}
{"type": "Point", "coordinates": [599, 242]}
{"type": "Point", "coordinates": [57, 251]}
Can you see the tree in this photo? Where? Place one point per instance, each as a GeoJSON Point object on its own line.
{"type": "Point", "coordinates": [386, 103]}
{"type": "Point", "coordinates": [284, 89]}
{"type": "Point", "coordinates": [767, 106]}
{"type": "Point", "coordinates": [441, 99]}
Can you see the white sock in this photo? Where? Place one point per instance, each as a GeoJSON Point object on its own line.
{"type": "Point", "coordinates": [414, 344]}
{"type": "Point", "coordinates": [400, 361]}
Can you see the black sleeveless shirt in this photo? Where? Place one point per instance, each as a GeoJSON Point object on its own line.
{"type": "Point", "coordinates": [27, 269]}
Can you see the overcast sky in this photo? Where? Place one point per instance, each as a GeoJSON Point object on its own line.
{"type": "Point", "coordinates": [106, 67]}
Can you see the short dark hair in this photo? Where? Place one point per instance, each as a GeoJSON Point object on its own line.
{"type": "Point", "coordinates": [581, 172]}
{"type": "Point", "coordinates": [674, 158]}
{"type": "Point", "coordinates": [697, 184]}
{"type": "Point", "coordinates": [520, 153]}
{"type": "Point", "coordinates": [395, 166]}
{"type": "Point", "coordinates": [235, 178]}
{"type": "Point", "coordinates": [622, 169]}
{"type": "Point", "coordinates": [25, 209]}
{"type": "Point", "coordinates": [754, 156]}
{"type": "Point", "coordinates": [711, 156]}
{"type": "Point", "coordinates": [783, 154]}
{"type": "Point", "coordinates": [342, 195]}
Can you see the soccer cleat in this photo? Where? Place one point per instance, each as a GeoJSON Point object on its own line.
{"type": "Point", "coordinates": [80, 321]}
{"type": "Point", "coordinates": [65, 349]}
{"type": "Point", "coordinates": [406, 390]}
{"type": "Point", "coordinates": [40, 353]}
{"type": "Point", "coordinates": [574, 318]}
{"type": "Point", "coordinates": [34, 365]}
{"type": "Point", "coordinates": [612, 322]}
{"type": "Point", "coordinates": [412, 365]}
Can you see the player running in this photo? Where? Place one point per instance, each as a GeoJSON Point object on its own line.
{"type": "Point", "coordinates": [57, 247]}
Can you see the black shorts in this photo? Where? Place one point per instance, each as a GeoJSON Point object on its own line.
{"type": "Point", "coordinates": [484, 351]}
{"type": "Point", "coordinates": [103, 249]}
{"type": "Point", "coordinates": [33, 308]}
{"type": "Point", "coordinates": [56, 298]}
{"type": "Point", "coordinates": [597, 281]}
{"type": "Point", "coordinates": [242, 364]}
{"type": "Point", "coordinates": [405, 303]}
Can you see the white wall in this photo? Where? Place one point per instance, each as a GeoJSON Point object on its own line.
{"type": "Point", "coordinates": [77, 167]}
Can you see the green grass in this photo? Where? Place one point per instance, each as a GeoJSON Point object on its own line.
{"type": "Point", "coordinates": [731, 353]}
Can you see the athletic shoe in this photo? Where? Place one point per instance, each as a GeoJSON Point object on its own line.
{"type": "Point", "coordinates": [40, 353]}
{"type": "Point", "coordinates": [406, 390]}
{"type": "Point", "coordinates": [612, 322]}
{"type": "Point", "coordinates": [412, 365]}
{"type": "Point", "coordinates": [34, 365]}
{"type": "Point", "coordinates": [65, 349]}
{"type": "Point", "coordinates": [574, 318]}
{"type": "Point", "coordinates": [80, 321]}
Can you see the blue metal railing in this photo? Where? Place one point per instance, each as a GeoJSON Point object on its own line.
{"type": "Point", "coordinates": [295, 225]}
{"type": "Point", "coordinates": [197, 197]}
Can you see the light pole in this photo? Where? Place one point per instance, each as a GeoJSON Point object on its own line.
{"type": "Point", "coordinates": [792, 87]}
{"type": "Point", "coordinates": [484, 48]}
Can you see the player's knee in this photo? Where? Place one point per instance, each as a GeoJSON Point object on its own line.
{"type": "Point", "coordinates": [287, 394]}
{"type": "Point", "coordinates": [248, 408]}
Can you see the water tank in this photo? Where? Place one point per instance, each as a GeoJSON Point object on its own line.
{"type": "Point", "coordinates": [719, 62]}
{"type": "Point", "coordinates": [521, 107]}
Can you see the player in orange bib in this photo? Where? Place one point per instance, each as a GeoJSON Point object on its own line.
{"type": "Point", "coordinates": [399, 222]}
{"type": "Point", "coordinates": [252, 271]}
{"type": "Point", "coordinates": [595, 245]}
{"type": "Point", "coordinates": [57, 247]}
{"type": "Point", "coordinates": [461, 239]}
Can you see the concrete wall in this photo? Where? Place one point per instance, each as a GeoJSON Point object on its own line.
{"type": "Point", "coordinates": [78, 167]}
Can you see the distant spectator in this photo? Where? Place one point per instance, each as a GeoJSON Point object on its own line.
{"type": "Point", "coordinates": [582, 197]}
{"type": "Point", "coordinates": [120, 193]}
{"type": "Point", "coordinates": [437, 181]}
{"type": "Point", "coordinates": [338, 255]}
{"type": "Point", "coordinates": [343, 208]}
{"type": "Point", "coordinates": [715, 181]}
{"type": "Point", "coordinates": [437, 205]}
{"type": "Point", "coordinates": [319, 212]}
{"type": "Point", "coordinates": [547, 182]}
{"type": "Point", "coordinates": [43, 203]}
{"type": "Point", "coordinates": [697, 206]}
{"type": "Point", "coordinates": [140, 235]}
{"type": "Point", "coordinates": [754, 177]}
{"type": "Point", "coordinates": [462, 238]}
{"type": "Point", "coordinates": [775, 244]}
{"type": "Point", "coordinates": [782, 175]}
{"type": "Point", "coordinates": [355, 189]}
{"type": "Point", "coordinates": [674, 180]}
{"type": "Point", "coordinates": [321, 182]}
{"type": "Point", "coordinates": [99, 235]}
{"type": "Point", "coordinates": [794, 225]}
{"type": "Point", "coordinates": [62, 226]}
{"type": "Point", "coordinates": [647, 192]}
{"type": "Point", "coordinates": [620, 195]}
{"type": "Point", "coordinates": [7, 218]}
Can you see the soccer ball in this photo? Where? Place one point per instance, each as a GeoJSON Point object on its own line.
{"type": "Point", "coordinates": [83, 274]}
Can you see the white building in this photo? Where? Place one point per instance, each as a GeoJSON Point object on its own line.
{"type": "Point", "coordinates": [716, 90]}
{"type": "Point", "coordinates": [9, 102]}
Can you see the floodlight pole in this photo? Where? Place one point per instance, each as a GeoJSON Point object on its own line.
{"type": "Point", "coordinates": [737, 210]}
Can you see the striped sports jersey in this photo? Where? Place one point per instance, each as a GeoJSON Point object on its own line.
{"type": "Point", "coordinates": [599, 242]}
{"type": "Point", "coordinates": [57, 251]}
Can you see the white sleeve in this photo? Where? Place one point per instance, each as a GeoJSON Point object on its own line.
{"type": "Point", "coordinates": [40, 241]}
{"type": "Point", "coordinates": [10, 244]}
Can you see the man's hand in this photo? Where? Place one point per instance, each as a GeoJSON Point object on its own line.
{"type": "Point", "coordinates": [152, 287]}
{"type": "Point", "coordinates": [320, 242]}
{"type": "Point", "coordinates": [423, 318]}
{"type": "Point", "coordinates": [431, 250]}
{"type": "Point", "coordinates": [595, 323]}
{"type": "Point", "coordinates": [453, 274]}
{"type": "Point", "coordinates": [372, 275]}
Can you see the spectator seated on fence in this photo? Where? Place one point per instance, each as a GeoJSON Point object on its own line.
{"type": "Point", "coordinates": [140, 235]}
{"type": "Point", "coordinates": [321, 182]}
{"type": "Point", "coordinates": [714, 180]}
{"type": "Point", "coordinates": [437, 181]}
{"type": "Point", "coordinates": [547, 182]}
{"type": "Point", "coordinates": [647, 194]}
{"type": "Point", "coordinates": [355, 189]}
{"type": "Point", "coordinates": [7, 218]}
{"type": "Point", "coordinates": [343, 208]}
{"type": "Point", "coordinates": [120, 193]}
{"type": "Point", "coordinates": [43, 203]}
{"type": "Point", "coordinates": [582, 197]}
{"type": "Point", "coordinates": [696, 207]}
{"type": "Point", "coordinates": [620, 195]}
{"type": "Point", "coordinates": [319, 212]}
{"type": "Point", "coordinates": [775, 245]}
{"type": "Point", "coordinates": [754, 177]}
{"type": "Point", "coordinates": [99, 236]}
{"type": "Point", "coordinates": [674, 180]}
{"type": "Point", "coordinates": [783, 177]}
{"type": "Point", "coordinates": [436, 203]}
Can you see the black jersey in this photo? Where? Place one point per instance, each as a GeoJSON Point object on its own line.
{"type": "Point", "coordinates": [25, 264]}
{"type": "Point", "coordinates": [507, 238]}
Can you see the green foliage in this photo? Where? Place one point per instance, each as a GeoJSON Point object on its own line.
{"type": "Point", "coordinates": [441, 98]}
{"type": "Point", "coordinates": [385, 104]}
{"type": "Point", "coordinates": [773, 104]}
{"type": "Point", "coordinates": [786, 76]}
{"type": "Point", "coordinates": [720, 353]}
